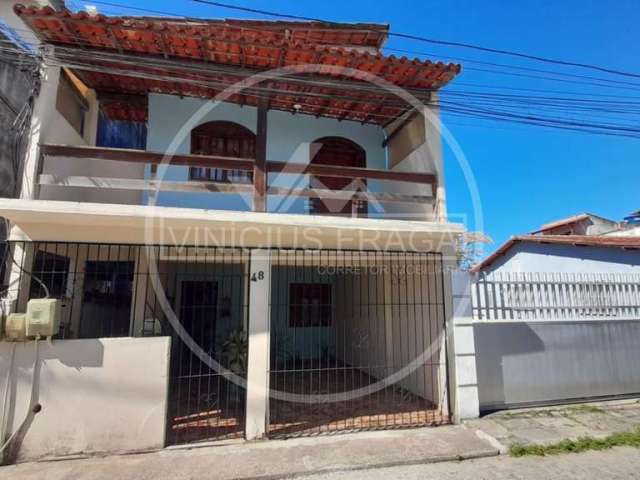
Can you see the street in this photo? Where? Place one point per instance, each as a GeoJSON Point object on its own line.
{"type": "Point", "coordinates": [618, 463]}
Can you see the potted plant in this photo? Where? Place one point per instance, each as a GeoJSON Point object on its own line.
{"type": "Point", "coordinates": [234, 351]}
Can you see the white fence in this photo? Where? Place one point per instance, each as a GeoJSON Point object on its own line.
{"type": "Point", "coordinates": [555, 296]}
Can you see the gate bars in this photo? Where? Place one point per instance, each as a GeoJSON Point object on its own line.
{"type": "Point", "coordinates": [342, 324]}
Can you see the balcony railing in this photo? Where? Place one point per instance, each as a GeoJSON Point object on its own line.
{"type": "Point", "coordinates": [358, 191]}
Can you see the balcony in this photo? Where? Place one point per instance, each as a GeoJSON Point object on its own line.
{"type": "Point", "coordinates": [135, 177]}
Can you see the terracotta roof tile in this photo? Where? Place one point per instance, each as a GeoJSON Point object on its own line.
{"type": "Point", "coordinates": [603, 241]}
{"type": "Point", "coordinates": [252, 45]}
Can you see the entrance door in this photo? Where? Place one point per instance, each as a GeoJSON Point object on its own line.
{"type": "Point", "coordinates": [204, 404]}
{"type": "Point", "coordinates": [198, 310]}
{"type": "Point", "coordinates": [342, 152]}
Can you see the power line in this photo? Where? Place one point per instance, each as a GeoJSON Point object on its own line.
{"type": "Point", "coordinates": [477, 110]}
{"type": "Point", "coordinates": [390, 33]}
{"type": "Point", "coordinates": [432, 40]}
{"type": "Point", "coordinates": [257, 28]}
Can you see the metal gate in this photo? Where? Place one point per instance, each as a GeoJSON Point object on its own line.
{"type": "Point", "coordinates": [357, 341]}
{"type": "Point", "coordinates": [210, 299]}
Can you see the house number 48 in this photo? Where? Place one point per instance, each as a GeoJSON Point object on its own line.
{"type": "Point", "coordinates": [257, 276]}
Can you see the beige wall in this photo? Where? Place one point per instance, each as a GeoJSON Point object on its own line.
{"type": "Point", "coordinates": [97, 396]}
{"type": "Point", "coordinates": [416, 147]}
{"type": "Point", "coordinates": [391, 320]}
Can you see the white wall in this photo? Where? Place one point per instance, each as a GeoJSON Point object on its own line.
{"type": "Point", "coordinates": [548, 258]}
{"type": "Point", "coordinates": [53, 128]}
{"type": "Point", "coordinates": [628, 232]}
{"type": "Point", "coordinates": [97, 396]}
{"type": "Point", "coordinates": [288, 140]}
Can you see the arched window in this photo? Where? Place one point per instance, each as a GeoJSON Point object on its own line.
{"type": "Point", "coordinates": [225, 139]}
{"type": "Point", "coordinates": [343, 152]}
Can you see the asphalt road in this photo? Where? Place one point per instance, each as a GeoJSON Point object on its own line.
{"type": "Point", "coordinates": [617, 463]}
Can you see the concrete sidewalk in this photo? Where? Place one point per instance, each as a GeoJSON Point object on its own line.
{"type": "Point", "coordinates": [272, 459]}
{"type": "Point", "coordinates": [548, 425]}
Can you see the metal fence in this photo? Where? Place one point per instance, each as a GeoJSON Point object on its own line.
{"type": "Point", "coordinates": [356, 341]}
{"type": "Point", "coordinates": [555, 296]}
{"type": "Point", "coordinates": [362, 331]}
{"type": "Point", "coordinates": [117, 290]}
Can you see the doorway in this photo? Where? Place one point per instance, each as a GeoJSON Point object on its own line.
{"type": "Point", "coordinates": [342, 152]}
{"type": "Point", "coordinates": [209, 352]}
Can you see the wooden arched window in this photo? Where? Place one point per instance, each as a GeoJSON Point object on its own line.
{"type": "Point", "coordinates": [225, 139]}
{"type": "Point", "coordinates": [336, 151]}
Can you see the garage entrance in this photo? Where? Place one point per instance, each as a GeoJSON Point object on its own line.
{"type": "Point", "coordinates": [357, 342]}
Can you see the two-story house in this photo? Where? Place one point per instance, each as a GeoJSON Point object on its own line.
{"type": "Point", "coordinates": [268, 194]}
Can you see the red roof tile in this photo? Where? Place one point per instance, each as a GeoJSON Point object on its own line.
{"type": "Point", "coordinates": [612, 241]}
{"type": "Point", "coordinates": [252, 46]}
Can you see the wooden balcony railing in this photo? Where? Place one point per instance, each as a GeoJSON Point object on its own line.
{"type": "Point", "coordinates": [359, 176]}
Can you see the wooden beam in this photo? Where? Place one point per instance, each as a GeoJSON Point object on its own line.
{"type": "Point", "coordinates": [350, 172]}
{"type": "Point", "coordinates": [260, 165]}
{"type": "Point", "coordinates": [140, 184]}
{"type": "Point", "coordinates": [231, 163]}
{"type": "Point", "coordinates": [143, 156]}
{"type": "Point", "coordinates": [327, 194]}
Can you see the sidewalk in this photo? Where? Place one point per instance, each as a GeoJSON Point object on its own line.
{"type": "Point", "coordinates": [272, 459]}
{"type": "Point", "coordinates": [330, 455]}
{"type": "Point", "coordinates": [552, 424]}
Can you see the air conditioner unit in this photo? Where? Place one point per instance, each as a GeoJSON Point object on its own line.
{"type": "Point", "coordinates": [43, 317]}
{"type": "Point", "coordinates": [14, 327]}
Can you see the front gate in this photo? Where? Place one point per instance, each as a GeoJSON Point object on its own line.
{"type": "Point", "coordinates": [357, 341]}
{"type": "Point", "coordinates": [210, 298]}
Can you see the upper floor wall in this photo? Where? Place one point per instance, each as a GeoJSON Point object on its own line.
{"type": "Point", "coordinates": [289, 139]}
{"type": "Point", "coordinates": [405, 146]}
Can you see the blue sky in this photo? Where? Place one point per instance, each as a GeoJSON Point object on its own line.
{"type": "Point", "coordinates": [526, 175]}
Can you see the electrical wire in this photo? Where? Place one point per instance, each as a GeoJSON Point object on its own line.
{"type": "Point", "coordinates": [257, 28]}
{"type": "Point", "coordinates": [30, 274]}
{"type": "Point", "coordinates": [431, 40]}
{"type": "Point", "coordinates": [605, 127]}
{"type": "Point", "coordinates": [602, 116]}
{"type": "Point", "coordinates": [34, 407]}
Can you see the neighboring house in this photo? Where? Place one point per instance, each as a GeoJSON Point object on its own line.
{"type": "Point", "coordinates": [305, 212]}
{"type": "Point", "coordinates": [629, 227]}
{"type": "Point", "coordinates": [557, 318]}
{"type": "Point", "coordinates": [564, 254]}
{"type": "Point", "coordinates": [582, 224]}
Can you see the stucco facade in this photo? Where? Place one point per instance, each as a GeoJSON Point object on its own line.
{"type": "Point", "coordinates": [548, 258]}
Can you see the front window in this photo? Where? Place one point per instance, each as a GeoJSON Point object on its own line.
{"type": "Point", "coordinates": [310, 305]}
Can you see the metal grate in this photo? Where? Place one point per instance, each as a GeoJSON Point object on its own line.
{"type": "Point", "coordinates": [556, 296]}
{"type": "Point", "coordinates": [344, 326]}
{"type": "Point", "coordinates": [110, 290]}
{"type": "Point", "coordinates": [212, 304]}
{"type": "Point", "coordinates": [344, 322]}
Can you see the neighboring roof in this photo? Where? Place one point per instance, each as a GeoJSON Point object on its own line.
{"type": "Point", "coordinates": [632, 243]}
{"type": "Point", "coordinates": [568, 221]}
{"type": "Point", "coordinates": [562, 222]}
{"type": "Point", "coordinates": [243, 47]}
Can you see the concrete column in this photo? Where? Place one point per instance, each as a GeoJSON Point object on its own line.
{"type": "Point", "coordinates": [433, 135]}
{"type": "Point", "coordinates": [467, 404]}
{"type": "Point", "coordinates": [43, 107]}
{"type": "Point", "coordinates": [259, 342]}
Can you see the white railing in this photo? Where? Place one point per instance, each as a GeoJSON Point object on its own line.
{"type": "Point", "coordinates": [555, 296]}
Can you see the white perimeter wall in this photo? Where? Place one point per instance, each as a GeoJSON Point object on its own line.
{"type": "Point", "coordinates": [97, 396]}
{"type": "Point", "coordinates": [548, 258]}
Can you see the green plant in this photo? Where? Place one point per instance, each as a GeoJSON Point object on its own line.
{"type": "Point", "coordinates": [234, 352]}
{"type": "Point", "coordinates": [629, 439]}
